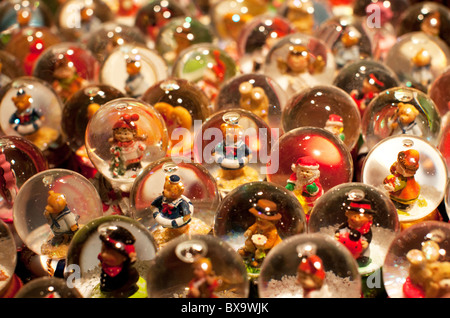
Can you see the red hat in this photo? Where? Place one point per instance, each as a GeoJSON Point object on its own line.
{"type": "Point", "coordinates": [312, 265]}
{"type": "Point", "coordinates": [307, 162]}
{"type": "Point", "coordinates": [409, 159]}
{"type": "Point", "coordinates": [127, 121]}
{"type": "Point", "coordinates": [335, 120]}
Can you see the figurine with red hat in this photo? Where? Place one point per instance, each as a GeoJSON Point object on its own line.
{"type": "Point", "coordinates": [127, 147]}
{"type": "Point", "coordinates": [371, 87]}
{"type": "Point", "coordinates": [310, 271]}
{"type": "Point", "coordinates": [335, 125]}
{"type": "Point", "coordinates": [401, 184]}
{"type": "Point", "coordinates": [305, 183]}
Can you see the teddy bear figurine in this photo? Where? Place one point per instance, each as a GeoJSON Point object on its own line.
{"type": "Point", "coordinates": [404, 119]}
{"type": "Point", "coordinates": [254, 99]}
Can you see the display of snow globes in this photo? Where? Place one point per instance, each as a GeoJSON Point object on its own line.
{"type": "Point", "coordinates": [206, 65]}
{"type": "Point", "coordinates": [181, 104]}
{"type": "Point", "coordinates": [8, 261]}
{"type": "Point", "coordinates": [257, 93]}
{"type": "Point", "coordinates": [418, 59]}
{"type": "Point", "coordinates": [171, 197]}
{"type": "Point", "coordinates": [255, 217]}
{"type": "Point", "coordinates": [439, 94]}
{"type": "Point", "coordinates": [110, 258]}
{"type": "Point", "coordinates": [47, 287]}
{"type": "Point", "coordinates": [201, 266]}
{"type": "Point", "coordinates": [75, 18]}
{"type": "Point", "coordinates": [256, 39]}
{"type": "Point", "coordinates": [19, 160]}
{"type": "Point", "coordinates": [234, 146]}
{"type": "Point", "coordinates": [309, 161]}
{"type": "Point", "coordinates": [401, 111]}
{"type": "Point", "coordinates": [309, 266]}
{"type": "Point", "coordinates": [363, 80]}
{"type": "Point", "coordinates": [346, 37]}
{"type": "Point", "coordinates": [327, 107]}
{"type": "Point", "coordinates": [122, 137]}
{"type": "Point", "coordinates": [412, 172]}
{"type": "Point", "coordinates": [417, 263]}
{"type": "Point", "coordinates": [298, 61]}
{"type": "Point", "coordinates": [67, 67]}
{"type": "Point", "coordinates": [16, 14]}
{"type": "Point", "coordinates": [362, 218]}
{"type": "Point", "coordinates": [180, 33]}
{"type": "Point", "coordinates": [10, 68]}
{"type": "Point", "coordinates": [133, 68]}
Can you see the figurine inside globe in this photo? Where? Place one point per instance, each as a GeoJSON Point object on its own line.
{"type": "Point", "coordinates": [8, 257]}
{"type": "Point", "coordinates": [48, 287]}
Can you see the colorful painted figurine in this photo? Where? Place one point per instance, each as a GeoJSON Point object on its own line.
{"type": "Point", "coordinates": [404, 119]}
{"type": "Point", "coordinates": [421, 69]}
{"type": "Point", "coordinates": [254, 99]}
{"type": "Point", "coordinates": [346, 48]}
{"type": "Point", "coordinates": [305, 183]}
{"type": "Point", "coordinates": [371, 87]}
{"type": "Point", "coordinates": [67, 80]}
{"type": "Point", "coordinates": [135, 84]}
{"type": "Point", "coordinates": [428, 277]}
{"type": "Point", "coordinates": [356, 233]}
{"type": "Point", "coordinates": [310, 271]}
{"type": "Point", "coordinates": [262, 236]}
{"type": "Point", "coordinates": [402, 187]}
{"type": "Point", "coordinates": [205, 281]}
{"type": "Point", "coordinates": [335, 125]}
{"type": "Point", "coordinates": [127, 147]}
{"type": "Point", "coordinates": [213, 77]}
{"type": "Point", "coordinates": [118, 277]}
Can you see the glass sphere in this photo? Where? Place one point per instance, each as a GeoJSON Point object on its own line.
{"type": "Point", "coordinates": [191, 257]}
{"type": "Point", "coordinates": [257, 93]}
{"type": "Point", "coordinates": [420, 247]}
{"type": "Point", "coordinates": [309, 266]}
{"type": "Point", "coordinates": [50, 207]}
{"type": "Point", "coordinates": [8, 257]}
{"type": "Point", "coordinates": [11, 67]}
{"type": "Point", "coordinates": [401, 111]}
{"type": "Point", "coordinates": [414, 162]}
{"type": "Point", "coordinates": [324, 106]}
{"type": "Point", "coordinates": [418, 59]}
{"type": "Point", "coordinates": [86, 254]}
{"type": "Point", "coordinates": [124, 136]}
{"type": "Point", "coordinates": [297, 61]}
{"type": "Point", "coordinates": [132, 69]}
{"type": "Point", "coordinates": [47, 287]}
{"type": "Point", "coordinates": [20, 159]}
{"type": "Point", "coordinates": [21, 13]}
{"type": "Point", "coordinates": [255, 217]}
{"type": "Point", "coordinates": [439, 94]}
{"type": "Point", "coordinates": [197, 188]}
{"type": "Point", "coordinates": [359, 213]}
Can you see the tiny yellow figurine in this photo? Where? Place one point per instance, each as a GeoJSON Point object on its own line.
{"type": "Point", "coordinates": [404, 118]}
{"type": "Point", "coordinates": [254, 99]}
{"type": "Point", "coordinates": [421, 69]}
{"type": "Point", "coordinates": [135, 84]}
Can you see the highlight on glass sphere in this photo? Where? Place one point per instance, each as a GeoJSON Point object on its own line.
{"type": "Point", "coordinates": [362, 218]}
{"type": "Point", "coordinates": [22, 13]}
{"type": "Point", "coordinates": [122, 137]}
{"type": "Point", "coordinates": [132, 69]}
{"type": "Point", "coordinates": [439, 93]}
{"type": "Point", "coordinates": [47, 287]}
{"type": "Point", "coordinates": [8, 258]}
{"type": "Point", "coordinates": [19, 160]}
{"type": "Point", "coordinates": [171, 197]}
{"type": "Point", "coordinates": [51, 207]}
{"type": "Point", "coordinates": [257, 93]}
{"type": "Point", "coordinates": [309, 266]}
{"type": "Point", "coordinates": [256, 217]}
{"type": "Point", "coordinates": [197, 266]}
{"type": "Point", "coordinates": [324, 106]}
{"type": "Point", "coordinates": [110, 258]}
{"type": "Point", "coordinates": [416, 252]}
{"type": "Point", "coordinates": [411, 171]}
{"type": "Point", "coordinates": [418, 59]}
{"type": "Point", "coordinates": [206, 65]}
{"type": "Point", "coordinates": [298, 61]}
{"type": "Point", "coordinates": [401, 111]}
{"type": "Point", "coordinates": [234, 146]}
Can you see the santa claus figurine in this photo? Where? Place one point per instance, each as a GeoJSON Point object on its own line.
{"type": "Point", "coordinates": [305, 183]}
{"type": "Point", "coordinates": [310, 271]}
{"type": "Point", "coordinates": [335, 125]}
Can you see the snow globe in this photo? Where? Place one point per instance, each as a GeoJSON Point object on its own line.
{"type": "Point", "coordinates": [19, 160]}
{"type": "Point", "coordinates": [256, 39]}
{"type": "Point", "coordinates": [309, 266]}
{"type": "Point", "coordinates": [171, 198]}
{"type": "Point", "coordinates": [234, 146]}
{"type": "Point", "coordinates": [297, 61]}
{"type": "Point", "coordinates": [76, 18]}
{"type": "Point", "coordinates": [10, 67]}
{"type": "Point", "coordinates": [347, 39]}
{"type": "Point", "coordinates": [47, 287]}
{"type": "Point", "coordinates": [362, 218]}
{"type": "Point", "coordinates": [257, 93]}
{"type": "Point", "coordinates": [179, 34]}
{"type": "Point", "coordinates": [327, 107]}
{"type": "Point", "coordinates": [255, 217]}
{"type": "Point", "coordinates": [201, 266]}
{"type": "Point", "coordinates": [418, 59]}
{"type": "Point", "coordinates": [182, 104]}
{"type": "Point", "coordinates": [123, 136]}
{"type": "Point", "coordinates": [416, 252]}
{"type": "Point", "coordinates": [133, 68]}
{"type": "Point", "coordinates": [401, 111]}
{"type": "Point", "coordinates": [439, 94]}
{"type": "Point", "coordinates": [412, 172]}
{"type": "Point", "coordinates": [15, 14]}
{"type": "Point", "coordinates": [206, 65]}
{"type": "Point", "coordinates": [110, 258]}
{"type": "Point", "coordinates": [8, 260]}
{"type": "Point", "coordinates": [309, 161]}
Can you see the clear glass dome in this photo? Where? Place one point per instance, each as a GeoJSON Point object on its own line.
{"type": "Point", "coordinates": [47, 287]}
{"type": "Point", "coordinates": [8, 257]}
{"type": "Point", "coordinates": [16, 14]}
